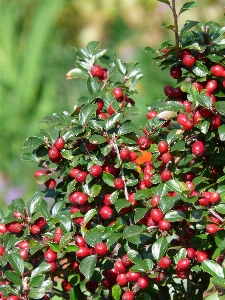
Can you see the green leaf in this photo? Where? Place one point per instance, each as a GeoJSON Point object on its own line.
{"type": "Point", "coordinates": [178, 146]}
{"type": "Point", "coordinates": [65, 239]}
{"type": "Point", "coordinates": [37, 281]}
{"type": "Point", "coordinates": [92, 85]}
{"type": "Point", "coordinates": [221, 131]}
{"type": "Point", "coordinates": [95, 190]}
{"type": "Point", "coordinates": [145, 296]}
{"type": "Point", "coordinates": [36, 293]}
{"type": "Point", "coordinates": [121, 203]}
{"type": "Point", "coordinates": [139, 214]}
{"type": "Point", "coordinates": [187, 6]}
{"type": "Point", "coordinates": [71, 248]}
{"type": "Point", "coordinates": [116, 292]}
{"type": "Point", "coordinates": [114, 197]}
{"type": "Point", "coordinates": [91, 46]}
{"type": "Point", "coordinates": [64, 221]}
{"type": "Point", "coordinates": [27, 156]}
{"type": "Point", "coordinates": [220, 107]}
{"type": "Point", "coordinates": [200, 70]}
{"type": "Point", "coordinates": [16, 262]}
{"type": "Point", "coordinates": [127, 127]}
{"type": "Point", "coordinates": [41, 269]}
{"type": "Point", "coordinates": [108, 178]}
{"type": "Point", "coordinates": [182, 253]}
{"type": "Point", "coordinates": [142, 194]}
{"type": "Point", "coordinates": [166, 202]}
{"type": "Point", "coordinates": [87, 266]}
{"type": "Point", "coordinates": [133, 234]}
{"type": "Point", "coordinates": [18, 205]}
{"type": "Point", "coordinates": [159, 248]}
{"type": "Point", "coordinates": [213, 268]}
{"type": "Point", "coordinates": [33, 141]}
{"type": "Point", "coordinates": [120, 66]}
{"type": "Point", "coordinates": [204, 100]}
{"type": "Point", "coordinates": [89, 215]}
{"type": "Point", "coordinates": [110, 122]}
{"type": "Point", "coordinates": [13, 277]}
{"type": "Point", "coordinates": [34, 202]}
{"type": "Point", "coordinates": [218, 281]}
{"type": "Point", "coordinates": [165, 1]}
{"type": "Point", "coordinates": [134, 81]}
{"type": "Point", "coordinates": [77, 73]}
{"type": "Point", "coordinates": [164, 25]}
{"type": "Point", "coordinates": [188, 25]}
{"type": "Point", "coordinates": [97, 139]}
{"type": "Point", "coordinates": [173, 185]}
{"type": "Point", "coordinates": [93, 236]}
{"type": "Point", "coordinates": [174, 215]}
{"type": "Point", "coordinates": [9, 240]}
{"type": "Point", "coordinates": [220, 239]}
{"type": "Point", "coordinates": [113, 238]}
{"type": "Point", "coordinates": [86, 112]}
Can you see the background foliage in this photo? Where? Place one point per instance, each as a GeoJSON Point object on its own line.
{"type": "Point", "coordinates": [36, 49]}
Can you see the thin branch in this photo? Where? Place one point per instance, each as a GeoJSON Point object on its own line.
{"type": "Point", "coordinates": [215, 214]}
{"type": "Point", "coordinates": [175, 18]}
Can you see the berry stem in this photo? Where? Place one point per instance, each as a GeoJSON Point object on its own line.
{"type": "Point", "coordinates": [215, 214]}
{"type": "Point", "coordinates": [175, 18]}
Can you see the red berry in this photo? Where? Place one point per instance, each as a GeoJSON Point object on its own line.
{"type": "Point", "coordinates": [187, 106]}
{"type": "Point", "coordinates": [2, 250]}
{"type": "Point", "coordinates": [133, 276]}
{"type": "Point", "coordinates": [214, 220]}
{"type": "Point", "coordinates": [128, 295]}
{"type": "Point", "coordinates": [14, 227]}
{"type": "Point", "coordinates": [215, 122]}
{"type": "Point", "coordinates": [50, 255]}
{"type": "Point", "coordinates": [50, 183]}
{"type": "Point", "coordinates": [124, 154]}
{"type": "Point", "coordinates": [206, 113]}
{"type": "Point", "coordinates": [165, 175]}
{"type": "Point", "coordinates": [191, 253]}
{"type": "Point", "coordinates": [118, 93]}
{"type": "Point", "coordinates": [40, 222]}
{"type": "Point", "coordinates": [78, 198]}
{"type": "Point", "coordinates": [133, 156]}
{"type": "Point", "coordinates": [214, 197]}
{"type": "Point", "coordinates": [100, 105]}
{"type": "Point", "coordinates": [198, 148]}
{"type": "Point", "coordinates": [166, 157]}
{"type": "Point", "coordinates": [177, 93]}
{"type": "Point", "coordinates": [58, 235]}
{"type": "Point", "coordinates": [168, 90]}
{"type": "Point", "coordinates": [81, 176]}
{"type": "Point", "coordinates": [198, 86]}
{"type": "Point", "coordinates": [95, 171]}
{"type": "Point", "coordinates": [188, 60]}
{"type": "Point", "coordinates": [211, 86]}
{"type": "Point", "coordinates": [143, 282]}
{"type": "Point", "coordinates": [24, 253]}
{"type": "Point", "coordinates": [23, 245]}
{"type": "Point", "coordinates": [73, 172]}
{"type": "Point", "coordinates": [126, 261]}
{"type": "Point", "coordinates": [156, 215]}
{"type": "Point", "coordinates": [13, 297]}
{"type": "Point", "coordinates": [39, 173]}
{"type": "Point", "coordinates": [80, 241]}
{"type": "Point", "coordinates": [121, 279]}
{"type": "Point", "coordinates": [217, 70]}
{"type": "Point", "coordinates": [101, 248]}
{"type": "Point", "coordinates": [183, 264]}
{"type": "Point", "coordinates": [35, 229]}
{"type": "Point", "coordinates": [213, 228]}
{"type": "Point", "coordinates": [188, 125]}
{"type": "Point", "coordinates": [163, 147]}
{"type": "Point", "coordinates": [2, 228]}
{"type": "Point", "coordinates": [96, 71]}
{"type": "Point", "coordinates": [83, 252]}
{"type": "Point", "coordinates": [18, 215]}
{"type": "Point", "coordinates": [182, 118]}
{"type": "Point", "coordinates": [91, 285]}
{"type": "Point", "coordinates": [106, 212]}
{"type": "Point", "coordinates": [165, 262]}
{"type": "Point", "coordinates": [197, 117]}
{"type": "Point", "coordinates": [160, 276]}
{"type": "Point", "coordinates": [176, 72]}
{"type": "Point", "coordinates": [54, 155]}
{"type": "Point", "coordinates": [203, 201]}
{"type": "Point", "coordinates": [164, 225]}
{"type": "Point", "coordinates": [119, 183]}
{"type": "Point", "coordinates": [59, 143]}
{"type": "Point", "coordinates": [155, 200]}
{"type": "Point", "coordinates": [119, 267]}
{"type": "Point", "coordinates": [201, 256]}
{"type": "Point", "coordinates": [66, 285]}
{"type": "Point", "coordinates": [151, 114]}
{"type": "Point", "coordinates": [143, 143]}
{"type": "Point", "coordinates": [182, 274]}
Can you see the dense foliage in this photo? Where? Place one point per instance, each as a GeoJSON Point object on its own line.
{"type": "Point", "coordinates": [127, 212]}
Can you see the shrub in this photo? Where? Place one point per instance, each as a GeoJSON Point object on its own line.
{"type": "Point", "coordinates": [138, 213]}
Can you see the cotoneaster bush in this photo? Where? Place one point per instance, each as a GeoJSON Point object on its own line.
{"type": "Point", "coordinates": [138, 213]}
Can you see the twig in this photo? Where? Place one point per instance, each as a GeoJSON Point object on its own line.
{"type": "Point", "coordinates": [215, 214]}
{"type": "Point", "coordinates": [175, 17]}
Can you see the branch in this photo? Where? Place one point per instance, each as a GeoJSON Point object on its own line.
{"type": "Point", "coordinates": [215, 214]}
{"type": "Point", "coordinates": [175, 18]}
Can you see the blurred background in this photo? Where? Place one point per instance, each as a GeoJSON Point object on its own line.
{"type": "Point", "coordinates": [36, 51]}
